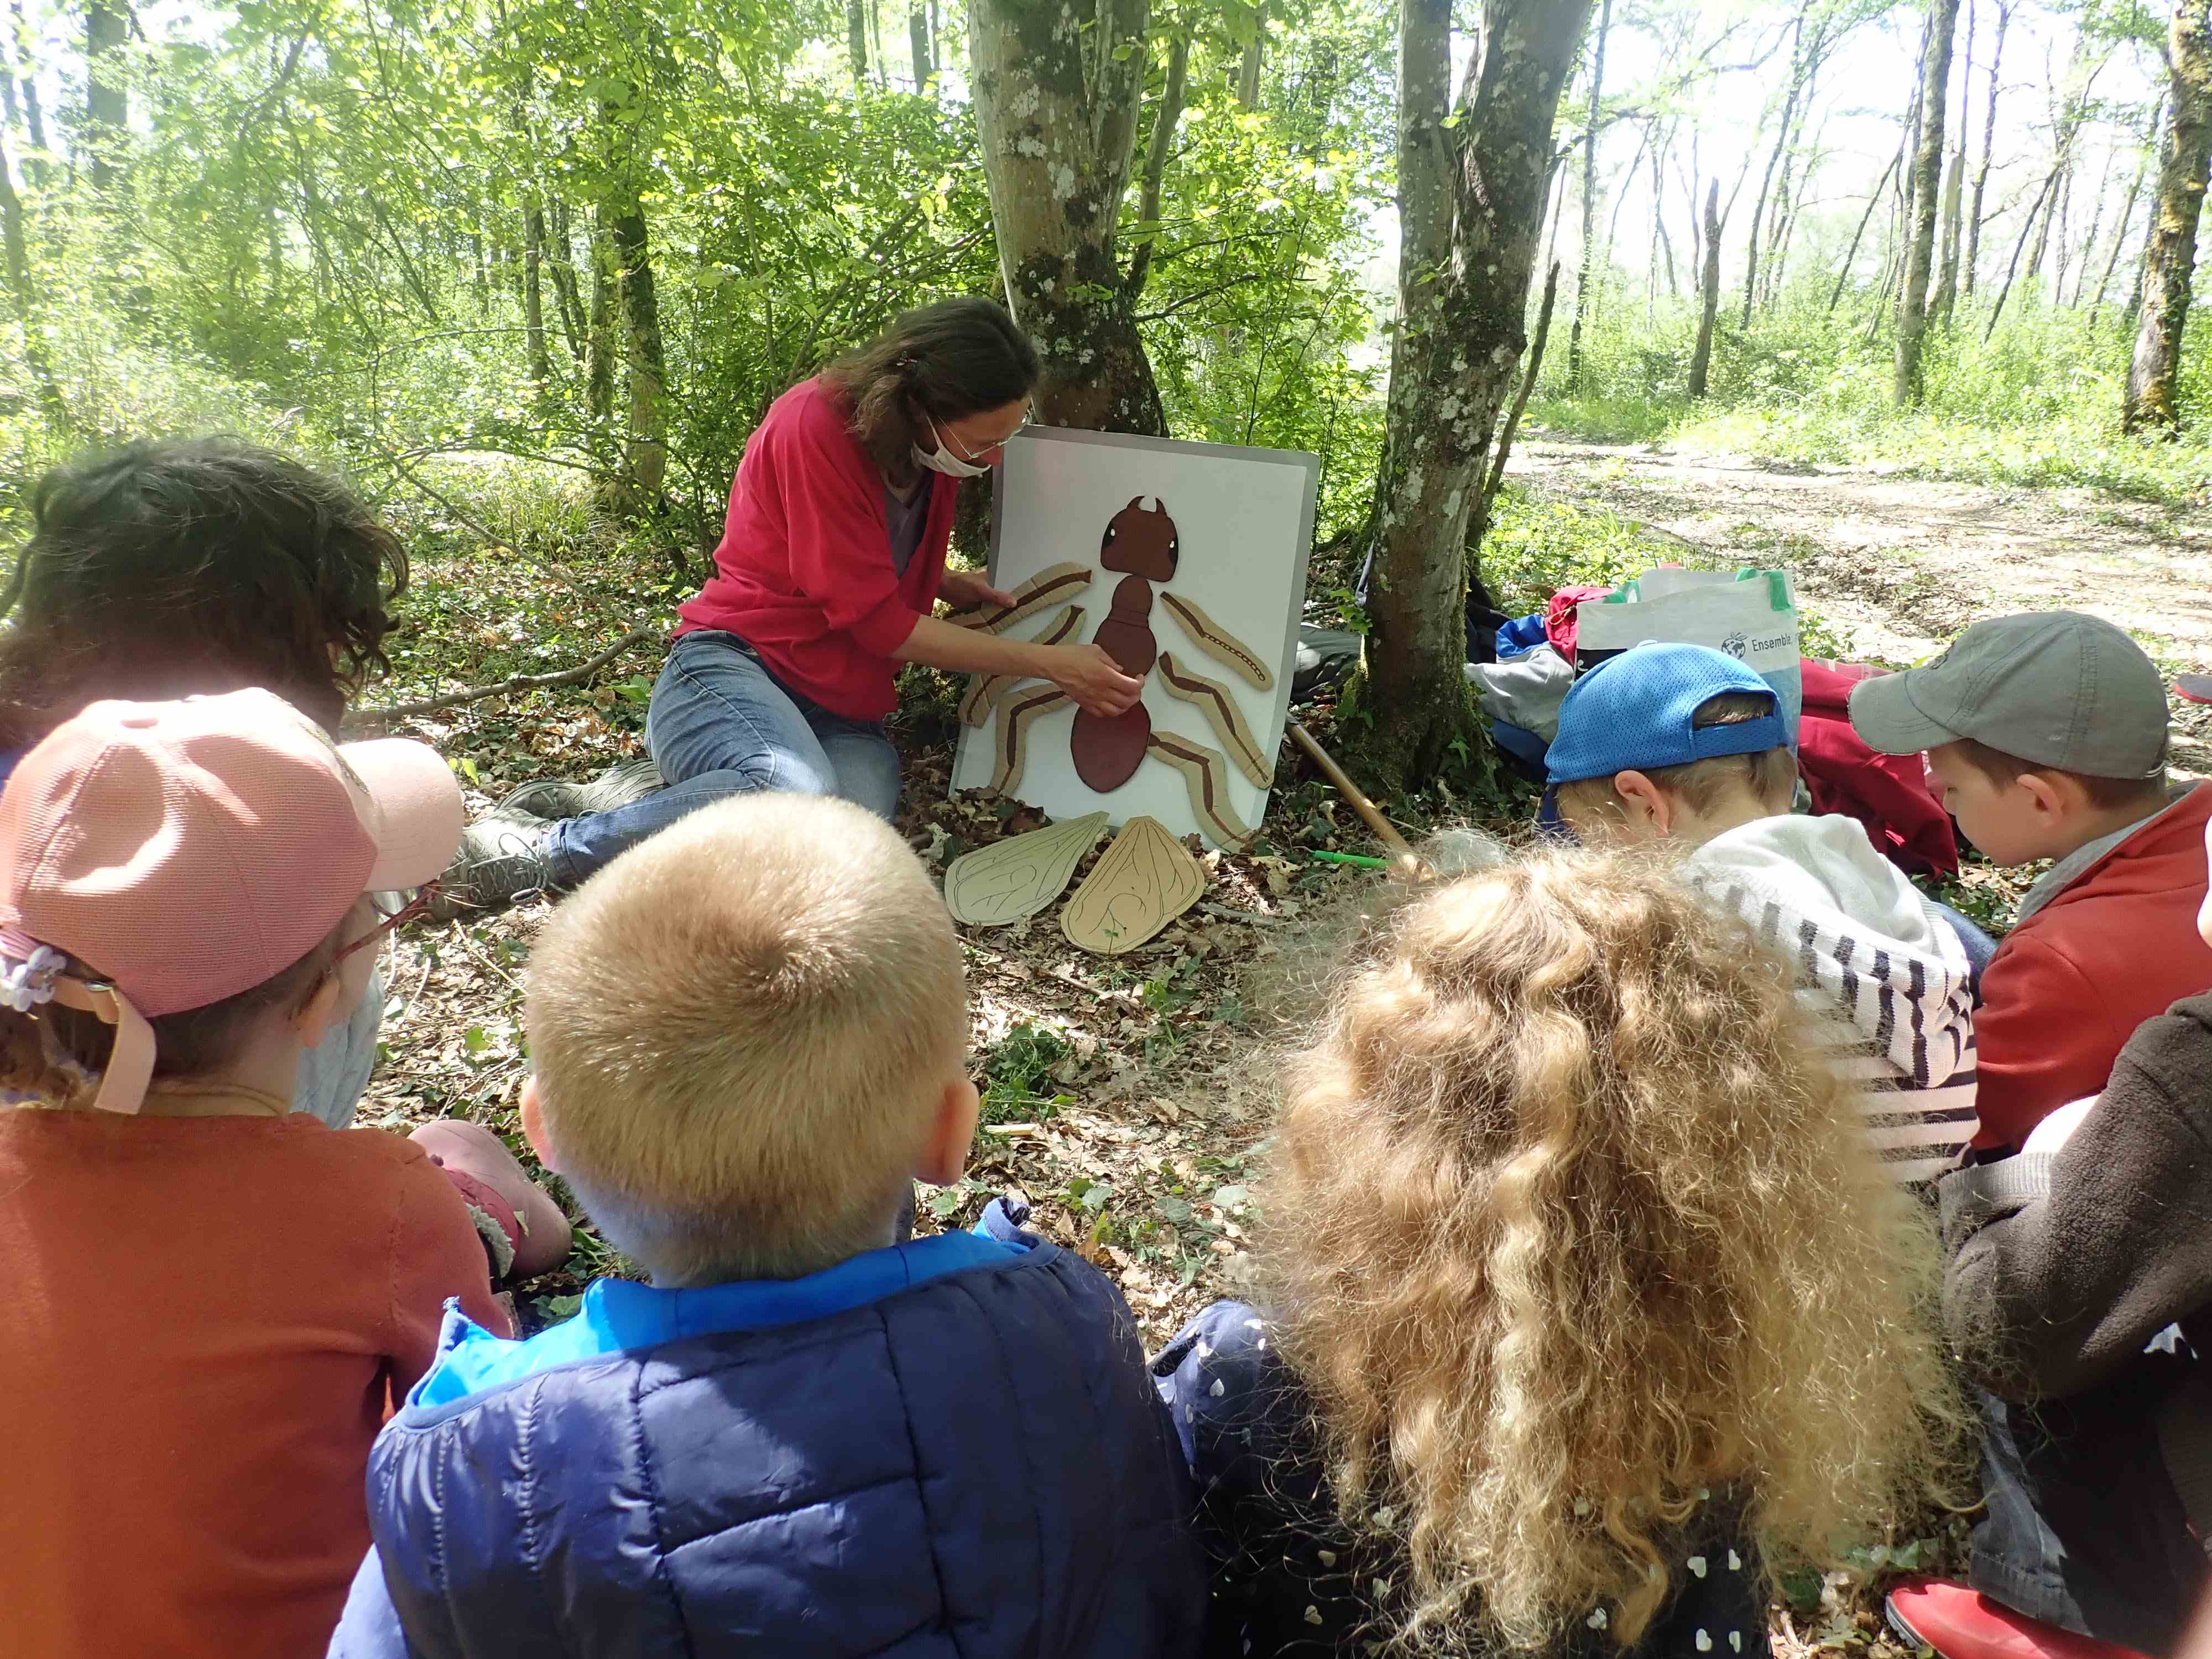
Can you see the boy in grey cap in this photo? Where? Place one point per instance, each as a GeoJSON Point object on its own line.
{"type": "Point", "coordinates": [2047, 734]}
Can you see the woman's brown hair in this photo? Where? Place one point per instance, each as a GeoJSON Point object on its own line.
{"type": "Point", "coordinates": [945, 361]}
{"type": "Point", "coordinates": [1570, 1228]}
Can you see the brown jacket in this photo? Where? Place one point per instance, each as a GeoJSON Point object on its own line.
{"type": "Point", "coordinates": [2063, 1264]}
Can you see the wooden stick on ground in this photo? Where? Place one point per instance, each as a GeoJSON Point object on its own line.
{"type": "Point", "coordinates": [515, 683]}
{"type": "Point", "coordinates": [1410, 867]}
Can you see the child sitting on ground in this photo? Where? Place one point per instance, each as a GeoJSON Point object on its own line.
{"type": "Point", "coordinates": [2048, 735]}
{"type": "Point", "coordinates": [748, 1034]}
{"type": "Point", "coordinates": [211, 1296]}
{"type": "Point", "coordinates": [1586, 1310]}
{"type": "Point", "coordinates": [1686, 746]}
{"type": "Point", "coordinates": [2067, 1262]}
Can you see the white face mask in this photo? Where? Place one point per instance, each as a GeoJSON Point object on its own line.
{"type": "Point", "coordinates": [944, 460]}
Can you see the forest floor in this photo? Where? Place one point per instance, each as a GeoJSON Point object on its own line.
{"type": "Point", "coordinates": [1892, 564]}
{"type": "Point", "coordinates": [1128, 1097]}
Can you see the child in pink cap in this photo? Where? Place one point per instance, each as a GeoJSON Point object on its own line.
{"type": "Point", "coordinates": [212, 1297]}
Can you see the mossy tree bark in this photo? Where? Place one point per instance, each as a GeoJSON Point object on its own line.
{"type": "Point", "coordinates": [2170, 256]}
{"type": "Point", "coordinates": [1058, 85]}
{"type": "Point", "coordinates": [1472, 175]}
{"type": "Point", "coordinates": [1927, 169]}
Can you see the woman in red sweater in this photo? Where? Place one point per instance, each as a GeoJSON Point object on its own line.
{"type": "Point", "coordinates": [783, 667]}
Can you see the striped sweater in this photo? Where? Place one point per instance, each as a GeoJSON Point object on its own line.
{"type": "Point", "coordinates": [1875, 961]}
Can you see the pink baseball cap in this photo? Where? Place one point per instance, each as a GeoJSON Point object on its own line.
{"type": "Point", "coordinates": [181, 853]}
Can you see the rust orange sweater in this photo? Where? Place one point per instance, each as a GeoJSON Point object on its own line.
{"type": "Point", "coordinates": [205, 1315]}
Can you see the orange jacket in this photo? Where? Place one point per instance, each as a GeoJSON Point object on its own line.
{"type": "Point", "coordinates": [2069, 985]}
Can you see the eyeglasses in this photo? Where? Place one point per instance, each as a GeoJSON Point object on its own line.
{"type": "Point", "coordinates": [972, 456]}
{"type": "Point", "coordinates": [389, 920]}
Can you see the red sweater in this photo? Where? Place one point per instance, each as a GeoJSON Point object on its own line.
{"type": "Point", "coordinates": [804, 574]}
{"type": "Point", "coordinates": [2069, 985]}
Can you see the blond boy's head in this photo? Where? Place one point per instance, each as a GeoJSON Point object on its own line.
{"type": "Point", "coordinates": [1670, 742]}
{"type": "Point", "coordinates": [748, 1036]}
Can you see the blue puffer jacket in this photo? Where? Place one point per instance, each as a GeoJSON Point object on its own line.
{"type": "Point", "coordinates": [950, 1447]}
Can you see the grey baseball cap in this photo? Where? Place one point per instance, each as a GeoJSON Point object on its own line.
{"type": "Point", "coordinates": [2056, 688]}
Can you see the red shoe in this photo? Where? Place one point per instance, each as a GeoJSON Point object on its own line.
{"type": "Point", "coordinates": [1960, 1623]}
{"type": "Point", "coordinates": [2193, 688]}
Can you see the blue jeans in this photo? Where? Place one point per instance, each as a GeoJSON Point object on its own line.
{"type": "Point", "coordinates": [2083, 1528]}
{"type": "Point", "coordinates": [719, 724]}
{"type": "Point", "coordinates": [1978, 946]}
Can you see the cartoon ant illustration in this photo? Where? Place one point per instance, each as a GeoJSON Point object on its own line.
{"type": "Point", "coordinates": [1140, 543]}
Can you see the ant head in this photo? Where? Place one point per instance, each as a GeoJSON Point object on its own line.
{"type": "Point", "coordinates": [1141, 541]}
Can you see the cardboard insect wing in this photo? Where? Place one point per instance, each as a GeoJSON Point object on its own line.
{"type": "Point", "coordinates": [1187, 564]}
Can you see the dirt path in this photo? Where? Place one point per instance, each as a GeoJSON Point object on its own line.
{"type": "Point", "coordinates": [1893, 563]}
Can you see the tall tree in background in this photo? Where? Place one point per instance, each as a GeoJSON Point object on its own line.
{"type": "Point", "coordinates": [1472, 175]}
{"type": "Point", "coordinates": [1927, 168]}
{"type": "Point", "coordinates": [1803, 60]}
{"type": "Point", "coordinates": [856, 40]}
{"type": "Point", "coordinates": [1582, 270]}
{"type": "Point", "coordinates": [919, 43]}
{"type": "Point", "coordinates": [2170, 256]}
{"type": "Point", "coordinates": [1058, 85]}
{"type": "Point", "coordinates": [106, 104]}
{"type": "Point", "coordinates": [1954, 194]}
{"type": "Point", "coordinates": [1709, 293]}
{"type": "Point", "coordinates": [1973, 257]}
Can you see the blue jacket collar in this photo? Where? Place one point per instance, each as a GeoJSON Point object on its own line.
{"type": "Point", "coordinates": [619, 1314]}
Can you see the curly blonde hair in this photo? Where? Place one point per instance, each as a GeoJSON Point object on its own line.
{"type": "Point", "coordinates": [1569, 1228]}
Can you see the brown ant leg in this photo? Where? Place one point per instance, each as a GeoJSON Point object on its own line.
{"type": "Point", "coordinates": [1017, 710]}
{"type": "Point", "coordinates": [1204, 773]}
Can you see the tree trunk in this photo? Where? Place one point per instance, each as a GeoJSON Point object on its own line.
{"type": "Point", "coordinates": [1659, 228]}
{"type": "Point", "coordinates": [1590, 200]}
{"type": "Point", "coordinates": [856, 40]}
{"type": "Point", "coordinates": [599, 337]}
{"type": "Point", "coordinates": [2096, 226]}
{"type": "Point", "coordinates": [645, 459]}
{"type": "Point", "coordinates": [1989, 144]}
{"type": "Point", "coordinates": [1247, 72]}
{"type": "Point", "coordinates": [1470, 209]}
{"type": "Point", "coordinates": [2034, 210]}
{"type": "Point", "coordinates": [2170, 255]}
{"type": "Point", "coordinates": [1843, 270]}
{"type": "Point", "coordinates": [1946, 280]}
{"type": "Point", "coordinates": [534, 290]}
{"type": "Point", "coordinates": [1165, 116]}
{"type": "Point", "coordinates": [1056, 106]}
{"type": "Point", "coordinates": [106, 104]}
{"type": "Point", "coordinates": [1927, 167]}
{"type": "Point", "coordinates": [1701, 360]}
{"type": "Point", "coordinates": [2127, 217]}
{"type": "Point", "coordinates": [917, 35]}
{"type": "Point", "coordinates": [562, 265]}
{"type": "Point", "coordinates": [1780, 143]}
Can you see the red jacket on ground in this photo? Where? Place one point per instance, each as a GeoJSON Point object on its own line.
{"type": "Point", "coordinates": [804, 572]}
{"type": "Point", "coordinates": [2068, 986]}
{"type": "Point", "coordinates": [1886, 793]}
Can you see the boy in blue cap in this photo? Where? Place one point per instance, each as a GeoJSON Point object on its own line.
{"type": "Point", "coordinates": [1684, 746]}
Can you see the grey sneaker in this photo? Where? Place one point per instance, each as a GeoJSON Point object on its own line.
{"type": "Point", "coordinates": [551, 799]}
{"type": "Point", "coordinates": [500, 859]}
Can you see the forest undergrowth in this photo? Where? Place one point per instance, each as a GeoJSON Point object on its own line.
{"type": "Point", "coordinates": [1128, 1098]}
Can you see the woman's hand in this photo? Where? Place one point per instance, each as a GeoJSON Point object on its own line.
{"type": "Point", "coordinates": [1090, 675]}
{"type": "Point", "coordinates": [963, 588]}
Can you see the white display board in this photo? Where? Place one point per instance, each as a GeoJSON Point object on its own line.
{"type": "Point", "coordinates": [1243, 520]}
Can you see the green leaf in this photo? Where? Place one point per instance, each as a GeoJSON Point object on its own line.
{"type": "Point", "coordinates": [475, 1040]}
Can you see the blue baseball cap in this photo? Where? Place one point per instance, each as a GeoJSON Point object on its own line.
{"type": "Point", "coordinates": [1632, 713]}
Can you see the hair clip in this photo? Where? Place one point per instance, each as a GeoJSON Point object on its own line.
{"type": "Point", "coordinates": [26, 979]}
